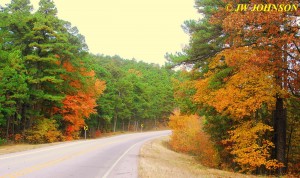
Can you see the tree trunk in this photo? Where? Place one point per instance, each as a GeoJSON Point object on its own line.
{"type": "Point", "coordinates": [128, 126]}
{"type": "Point", "coordinates": [23, 117]}
{"type": "Point", "coordinates": [7, 128]}
{"type": "Point", "coordinates": [98, 124]}
{"type": "Point", "coordinates": [135, 125]}
{"type": "Point", "coordinates": [115, 123]}
{"type": "Point", "coordinates": [288, 147]}
{"type": "Point", "coordinates": [13, 124]}
{"type": "Point", "coordinates": [280, 119]}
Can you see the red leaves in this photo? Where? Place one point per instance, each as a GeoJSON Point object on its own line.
{"type": "Point", "coordinates": [79, 105]}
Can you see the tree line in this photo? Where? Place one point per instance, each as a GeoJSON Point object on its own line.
{"type": "Point", "coordinates": [51, 86]}
{"type": "Point", "coordinates": [242, 76]}
{"type": "Point", "coordinates": [136, 93]}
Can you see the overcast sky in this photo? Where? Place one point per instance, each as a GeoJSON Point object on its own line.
{"type": "Point", "coordinates": [141, 29]}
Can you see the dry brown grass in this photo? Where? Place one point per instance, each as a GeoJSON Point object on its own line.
{"type": "Point", "coordinates": [157, 161]}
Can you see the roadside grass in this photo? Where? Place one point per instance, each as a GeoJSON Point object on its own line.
{"type": "Point", "coordinates": [158, 161]}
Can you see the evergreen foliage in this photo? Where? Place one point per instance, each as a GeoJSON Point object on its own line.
{"type": "Point", "coordinates": [51, 87]}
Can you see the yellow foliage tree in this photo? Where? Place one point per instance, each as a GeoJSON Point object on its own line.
{"type": "Point", "coordinates": [242, 85]}
{"type": "Point", "coordinates": [250, 148]}
{"type": "Point", "coordinates": [238, 84]}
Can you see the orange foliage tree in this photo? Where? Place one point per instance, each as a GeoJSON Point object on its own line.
{"type": "Point", "coordinates": [274, 38]}
{"type": "Point", "coordinates": [81, 101]}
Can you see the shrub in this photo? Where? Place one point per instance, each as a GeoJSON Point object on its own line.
{"type": "Point", "coordinates": [2, 141]}
{"type": "Point", "coordinates": [188, 137]}
{"type": "Point", "coordinates": [18, 138]}
{"type": "Point", "coordinates": [45, 131]}
{"type": "Point", "coordinates": [98, 133]}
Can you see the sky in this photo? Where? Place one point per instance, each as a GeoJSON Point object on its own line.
{"type": "Point", "coordinates": [141, 29]}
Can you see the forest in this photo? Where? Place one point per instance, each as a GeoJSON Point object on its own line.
{"type": "Point", "coordinates": [51, 86]}
{"type": "Point", "coordinates": [233, 104]}
{"type": "Point", "coordinates": [242, 79]}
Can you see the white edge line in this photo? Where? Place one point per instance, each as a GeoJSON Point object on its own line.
{"type": "Point", "coordinates": [121, 157]}
{"type": "Point", "coordinates": [32, 151]}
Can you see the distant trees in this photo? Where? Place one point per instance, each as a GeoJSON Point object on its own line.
{"type": "Point", "coordinates": [137, 93]}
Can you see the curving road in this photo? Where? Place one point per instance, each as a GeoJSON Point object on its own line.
{"type": "Point", "coordinates": [106, 157]}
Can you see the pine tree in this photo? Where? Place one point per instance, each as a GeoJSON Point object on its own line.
{"type": "Point", "coordinates": [13, 90]}
{"type": "Point", "coordinates": [239, 56]}
{"type": "Point", "coordinates": [20, 6]}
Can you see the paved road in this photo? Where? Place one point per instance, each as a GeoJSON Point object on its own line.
{"type": "Point", "coordinates": [107, 157]}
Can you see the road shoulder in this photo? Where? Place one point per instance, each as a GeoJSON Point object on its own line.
{"type": "Point", "coordinates": [156, 160]}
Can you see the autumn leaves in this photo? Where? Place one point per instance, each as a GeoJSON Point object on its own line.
{"type": "Point", "coordinates": [51, 87]}
{"type": "Point", "coordinates": [81, 102]}
{"type": "Point", "coordinates": [243, 65]}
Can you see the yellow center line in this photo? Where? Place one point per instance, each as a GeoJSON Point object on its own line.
{"type": "Point", "coordinates": [52, 162]}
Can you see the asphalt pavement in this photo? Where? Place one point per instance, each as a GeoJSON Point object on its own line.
{"type": "Point", "coordinates": [111, 157]}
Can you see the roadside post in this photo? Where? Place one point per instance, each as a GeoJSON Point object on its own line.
{"type": "Point", "coordinates": [85, 129]}
{"type": "Point", "coordinates": [142, 125]}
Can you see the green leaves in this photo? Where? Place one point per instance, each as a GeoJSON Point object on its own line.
{"type": "Point", "coordinates": [13, 86]}
{"type": "Point", "coordinates": [20, 6]}
{"type": "Point", "coordinates": [47, 8]}
{"type": "Point", "coordinates": [218, 79]}
{"type": "Point", "coordinates": [136, 91]}
{"type": "Point", "coordinates": [34, 49]}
